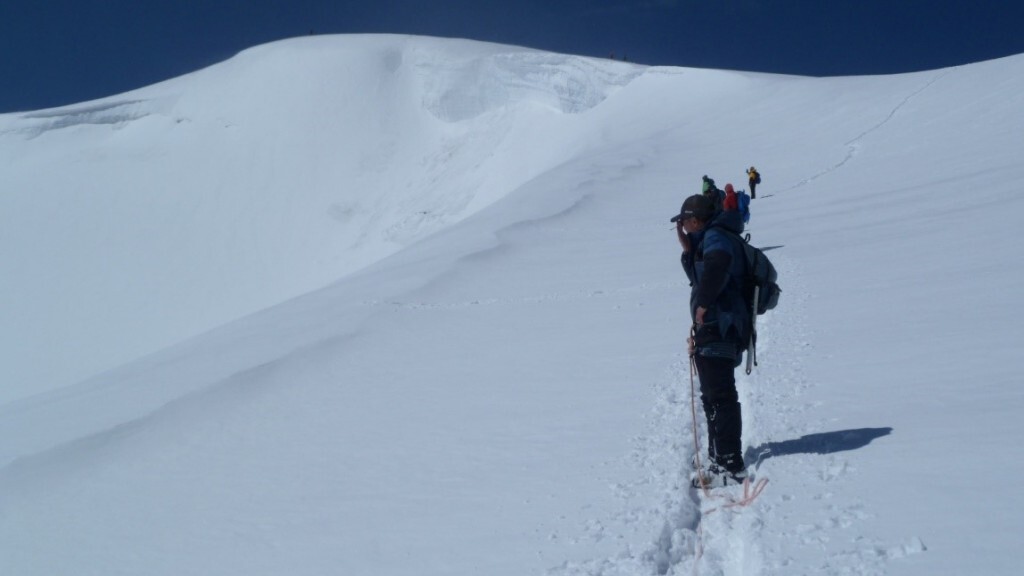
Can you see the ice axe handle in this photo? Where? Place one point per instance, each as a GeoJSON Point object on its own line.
{"type": "Point", "coordinates": [752, 343]}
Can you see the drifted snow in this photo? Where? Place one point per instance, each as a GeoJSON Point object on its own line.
{"type": "Point", "coordinates": [398, 305]}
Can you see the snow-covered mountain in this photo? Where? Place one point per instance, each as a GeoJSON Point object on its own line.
{"type": "Point", "coordinates": [399, 305]}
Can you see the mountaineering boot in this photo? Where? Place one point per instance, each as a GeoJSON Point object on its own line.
{"type": "Point", "coordinates": [732, 462]}
{"type": "Point", "coordinates": [715, 476]}
{"type": "Point", "coordinates": [704, 460]}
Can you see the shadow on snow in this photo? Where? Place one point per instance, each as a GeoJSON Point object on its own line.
{"type": "Point", "coordinates": [823, 443]}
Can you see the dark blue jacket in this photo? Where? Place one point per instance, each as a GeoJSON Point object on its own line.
{"type": "Point", "coordinates": [716, 267]}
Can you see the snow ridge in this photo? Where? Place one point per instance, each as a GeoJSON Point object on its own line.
{"type": "Point", "coordinates": [568, 84]}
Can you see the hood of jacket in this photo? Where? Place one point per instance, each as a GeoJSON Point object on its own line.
{"type": "Point", "coordinates": [730, 220]}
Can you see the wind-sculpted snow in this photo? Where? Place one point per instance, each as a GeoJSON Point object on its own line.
{"type": "Point", "coordinates": [115, 113]}
{"type": "Point", "coordinates": [568, 84]}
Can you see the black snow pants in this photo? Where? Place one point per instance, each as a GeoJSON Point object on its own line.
{"type": "Point", "coordinates": [722, 409]}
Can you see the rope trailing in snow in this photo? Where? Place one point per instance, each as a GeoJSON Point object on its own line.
{"type": "Point", "coordinates": [693, 412]}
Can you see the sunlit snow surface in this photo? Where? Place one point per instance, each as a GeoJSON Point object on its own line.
{"type": "Point", "coordinates": [398, 305]}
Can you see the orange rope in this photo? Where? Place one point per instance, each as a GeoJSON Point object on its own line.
{"type": "Point", "coordinates": [696, 430]}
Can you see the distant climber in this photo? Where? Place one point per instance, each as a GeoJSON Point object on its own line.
{"type": "Point", "coordinates": [753, 179]}
{"type": "Point", "coordinates": [730, 203]}
{"type": "Point", "coordinates": [711, 192]}
{"type": "Point", "coordinates": [736, 201]}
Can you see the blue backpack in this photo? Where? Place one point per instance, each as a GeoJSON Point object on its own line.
{"type": "Point", "coordinates": [743, 201]}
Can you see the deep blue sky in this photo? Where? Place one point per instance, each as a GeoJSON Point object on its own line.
{"type": "Point", "coordinates": [56, 52]}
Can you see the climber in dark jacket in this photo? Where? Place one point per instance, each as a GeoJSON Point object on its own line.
{"type": "Point", "coordinates": [715, 264]}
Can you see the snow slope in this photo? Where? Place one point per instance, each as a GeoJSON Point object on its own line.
{"type": "Point", "coordinates": [396, 305]}
{"type": "Point", "coordinates": [258, 179]}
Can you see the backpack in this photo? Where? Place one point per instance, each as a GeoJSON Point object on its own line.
{"type": "Point", "coordinates": [760, 279]}
{"type": "Point", "coordinates": [761, 274]}
{"type": "Point", "coordinates": [757, 177]}
{"type": "Point", "coordinates": [743, 204]}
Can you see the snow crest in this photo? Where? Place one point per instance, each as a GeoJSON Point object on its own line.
{"type": "Point", "coordinates": [569, 84]}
